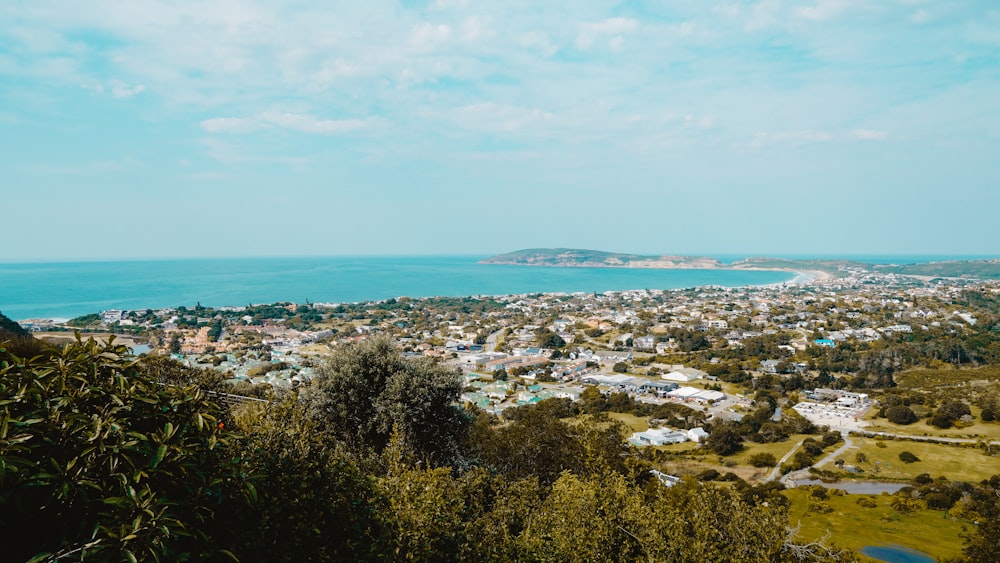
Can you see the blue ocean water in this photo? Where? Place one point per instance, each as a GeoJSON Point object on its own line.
{"type": "Point", "coordinates": [70, 289]}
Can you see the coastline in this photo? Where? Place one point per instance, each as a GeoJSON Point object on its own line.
{"type": "Point", "coordinates": [51, 292]}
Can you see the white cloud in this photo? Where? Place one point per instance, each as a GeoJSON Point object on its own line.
{"type": "Point", "coordinates": [805, 136]}
{"type": "Point", "coordinates": [120, 90]}
{"type": "Point", "coordinates": [869, 135]}
{"type": "Point", "coordinates": [304, 123]}
{"type": "Point", "coordinates": [427, 35]}
{"type": "Point", "coordinates": [538, 41]}
{"type": "Point", "coordinates": [763, 14]}
{"type": "Point", "coordinates": [920, 16]}
{"type": "Point", "coordinates": [825, 10]}
{"type": "Point", "coordinates": [589, 33]}
{"type": "Point", "coordinates": [492, 117]}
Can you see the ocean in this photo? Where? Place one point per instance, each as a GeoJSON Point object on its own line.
{"type": "Point", "coordinates": [63, 290]}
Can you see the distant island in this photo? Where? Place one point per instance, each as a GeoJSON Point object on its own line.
{"type": "Point", "coordinates": [581, 258]}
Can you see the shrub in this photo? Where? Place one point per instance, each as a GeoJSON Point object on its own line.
{"type": "Point", "coordinates": [708, 475]}
{"type": "Point", "coordinates": [820, 508]}
{"type": "Point", "coordinates": [867, 502]}
{"type": "Point", "coordinates": [763, 459]}
{"type": "Point", "coordinates": [900, 414]}
{"type": "Point", "coordinates": [907, 457]}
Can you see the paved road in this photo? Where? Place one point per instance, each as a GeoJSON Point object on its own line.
{"type": "Point", "coordinates": [491, 340]}
{"type": "Point", "coordinates": [836, 453]}
{"type": "Point", "coordinates": [777, 467]}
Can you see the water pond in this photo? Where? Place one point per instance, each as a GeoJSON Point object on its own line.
{"type": "Point", "coordinates": [856, 487]}
{"type": "Point", "coordinates": [896, 554]}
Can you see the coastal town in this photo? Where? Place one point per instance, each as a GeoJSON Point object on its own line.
{"type": "Point", "coordinates": [697, 347]}
{"type": "Point", "coordinates": [839, 382]}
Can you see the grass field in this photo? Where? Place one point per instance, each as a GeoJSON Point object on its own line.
{"type": "Point", "coordinates": [777, 449]}
{"type": "Point", "coordinates": [853, 526]}
{"type": "Point", "coordinates": [634, 423]}
{"type": "Point", "coordinates": [978, 431]}
{"type": "Point", "coordinates": [954, 462]}
{"type": "Point", "coordinates": [923, 378]}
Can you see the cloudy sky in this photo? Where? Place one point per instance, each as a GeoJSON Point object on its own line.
{"type": "Point", "coordinates": [147, 128]}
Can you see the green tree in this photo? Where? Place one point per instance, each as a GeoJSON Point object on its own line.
{"type": "Point", "coordinates": [900, 414]}
{"type": "Point", "coordinates": [99, 462]}
{"type": "Point", "coordinates": [724, 439]}
{"type": "Point", "coordinates": [367, 391]}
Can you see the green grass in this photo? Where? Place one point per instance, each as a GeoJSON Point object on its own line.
{"type": "Point", "coordinates": [923, 378]}
{"type": "Point", "coordinates": [634, 423]}
{"type": "Point", "coordinates": [957, 463]}
{"type": "Point", "coordinates": [853, 526]}
{"type": "Point", "coordinates": [777, 449]}
{"type": "Point", "coordinates": [979, 430]}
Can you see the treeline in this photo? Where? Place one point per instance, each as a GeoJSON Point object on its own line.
{"type": "Point", "coordinates": [108, 458]}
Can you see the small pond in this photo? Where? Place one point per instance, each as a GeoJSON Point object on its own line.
{"type": "Point", "coordinates": [896, 554]}
{"type": "Point", "coordinates": [856, 487]}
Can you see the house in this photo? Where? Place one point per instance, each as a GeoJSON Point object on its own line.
{"type": "Point", "coordinates": [770, 366]}
{"type": "Point", "coordinates": [683, 374]}
{"type": "Point", "coordinates": [658, 437]}
{"type": "Point", "coordinates": [697, 435]}
{"type": "Point", "coordinates": [644, 342]}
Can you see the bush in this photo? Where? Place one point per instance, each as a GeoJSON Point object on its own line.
{"type": "Point", "coordinates": [939, 501]}
{"type": "Point", "coordinates": [763, 459]}
{"type": "Point", "coordinates": [708, 475]}
{"type": "Point", "coordinates": [867, 502]}
{"type": "Point", "coordinates": [923, 479]}
{"type": "Point", "coordinates": [900, 414]}
{"type": "Point", "coordinates": [907, 457]}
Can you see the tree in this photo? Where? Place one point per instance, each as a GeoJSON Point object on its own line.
{"type": "Point", "coordinates": [763, 459]}
{"type": "Point", "coordinates": [900, 414]}
{"type": "Point", "coordinates": [101, 462]}
{"type": "Point", "coordinates": [368, 391]}
{"type": "Point", "coordinates": [314, 502]}
{"type": "Point", "coordinates": [725, 439]}
{"type": "Point", "coordinates": [908, 457]}
{"type": "Point", "coordinates": [948, 413]}
{"type": "Point", "coordinates": [620, 367]}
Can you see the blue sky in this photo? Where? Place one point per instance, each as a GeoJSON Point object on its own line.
{"type": "Point", "coordinates": [238, 128]}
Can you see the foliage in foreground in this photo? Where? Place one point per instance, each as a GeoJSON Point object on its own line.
{"type": "Point", "coordinates": [100, 461]}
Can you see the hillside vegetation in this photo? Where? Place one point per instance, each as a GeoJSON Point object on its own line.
{"type": "Point", "coordinates": [105, 460]}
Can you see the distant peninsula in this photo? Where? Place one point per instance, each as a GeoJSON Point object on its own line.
{"type": "Point", "coordinates": [581, 258]}
{"type": "Point", "coordinates": [577, 258]}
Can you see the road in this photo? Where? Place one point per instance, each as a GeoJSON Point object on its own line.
{"type": "Point", "coordinates": [491, 340]}
{"type": "Point", "coordinates": [838, 452]}
{"type": "Point", "coordinates": [777, 467]}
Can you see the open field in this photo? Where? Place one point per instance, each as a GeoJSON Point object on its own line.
{"type": "Point", "coordinates": [923, 378]}
{"type": "Point", "coordinates": [634, 423]}
{"type": "Point", "coordinates": [854, 526]}
{"type": "Point", "coordinates": [777, 449]}
{"type": "Point", "coordinates": [979, 430]}
{"type": "Point", "coordinates": [957, 463]}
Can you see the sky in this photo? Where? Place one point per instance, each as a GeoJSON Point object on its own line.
{"type": "Point", "coordinates": [191, 128]}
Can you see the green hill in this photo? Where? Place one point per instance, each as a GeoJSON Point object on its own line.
{"type": "Point", "coordinates": [9, 327]}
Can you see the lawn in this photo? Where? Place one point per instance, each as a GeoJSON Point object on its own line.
{"type": "Point", "coordinates": [923, 378]}
{"type": "Point", "coordinates": [777, 449]}
{"type": "Point", "coordinates": [634, 423]}
{"type": "Point", "coordinates": [978, 431]}
{"type": "Point", "coordinates": [853, 526]}
{"type": "Point", "coordinates": [954, 462]}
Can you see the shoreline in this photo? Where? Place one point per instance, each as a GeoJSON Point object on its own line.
{"type": "Point", "coordinates": [805, 277]}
